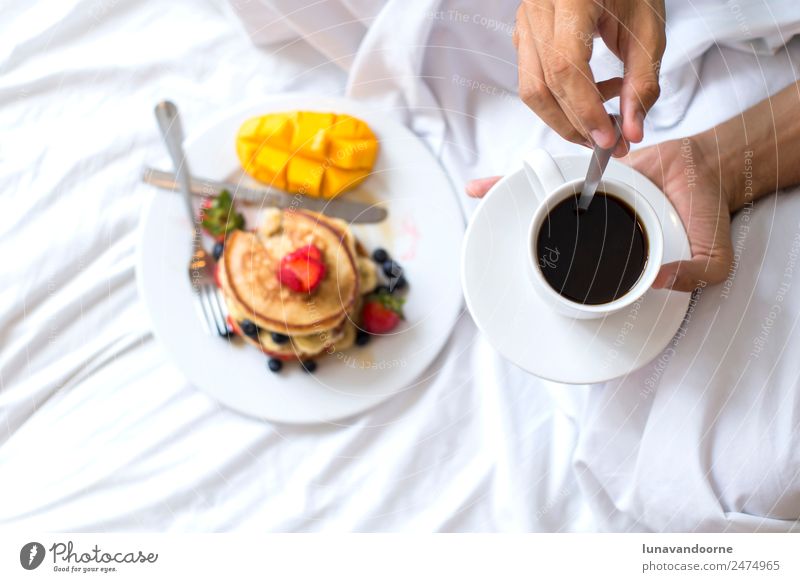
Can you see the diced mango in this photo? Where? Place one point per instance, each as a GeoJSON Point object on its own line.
{"type": "Point", "coordinates": [353, 153]}
{"type": "Point", "coordinates": [310, 134]}
{"type": "Point", "coordinates": [246, 152]}
{"type": "Point", "coordinates": [339, 180]}
{"type": "Point", "coordinates": [317, 154]}
{"type": "Point", "coordinates": [272, 162]}
{"type": "Point", "coordinates": [348, 127]}
{"type": "Point", "coordinates": [304, 176]}
{"type": "Point", "coordinates": [250, 129]}
{"type": "Point", "coordinates": [276, 130]}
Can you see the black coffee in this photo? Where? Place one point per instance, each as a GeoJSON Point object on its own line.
{"type": "Point", "coordinates": [593, 256]}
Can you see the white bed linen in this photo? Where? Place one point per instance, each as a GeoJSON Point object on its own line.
{"type": "Point", "coordinates": [101, 432]}
{"type": "Point", "coordinates": [98, 430]}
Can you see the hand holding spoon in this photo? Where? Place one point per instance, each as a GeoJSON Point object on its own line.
{"type": "Point", "coordinates": [597, 165]}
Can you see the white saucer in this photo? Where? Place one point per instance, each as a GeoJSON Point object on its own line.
{"type": "Point", "coordinates": [523, 329]}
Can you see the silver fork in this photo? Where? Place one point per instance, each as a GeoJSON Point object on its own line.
{"type": "Point", "coordinates": [202, 265]}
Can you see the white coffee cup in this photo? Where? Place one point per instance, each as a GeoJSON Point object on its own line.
{"type": "Point", "coordinates": [550, 187]}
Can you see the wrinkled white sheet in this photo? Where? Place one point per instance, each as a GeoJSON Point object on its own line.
{"type": "Point", "coordinates": [101, 432]}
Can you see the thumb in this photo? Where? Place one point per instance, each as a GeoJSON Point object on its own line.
{"type": "Point", "coordinates": [479, 187]}
{"type": "Point", "coordinates": [640, 85]}
{"type": "Point", "coordinates": [691, 274]}
{"type": "Point", "coordinates": [640, 91]}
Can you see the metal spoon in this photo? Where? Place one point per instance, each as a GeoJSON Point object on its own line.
{"type": "Point", "coordinates": [597, 165]}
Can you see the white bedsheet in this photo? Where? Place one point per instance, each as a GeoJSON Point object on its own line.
{"type": "Point", "coordinates": [99, 431]}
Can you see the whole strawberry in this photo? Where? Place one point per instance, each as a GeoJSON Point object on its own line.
{"type": "Point", "coordinates": [382, 312]}
{"type": "Point", "coordinates": [218, 216]}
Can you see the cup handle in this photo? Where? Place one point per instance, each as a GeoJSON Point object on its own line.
{"type": "Point", "coordinates": [542, 173]}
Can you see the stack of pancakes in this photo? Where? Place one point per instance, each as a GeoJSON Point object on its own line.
{"type": "Point", "coordinates": [322, 321]}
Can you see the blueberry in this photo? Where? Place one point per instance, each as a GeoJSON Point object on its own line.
{"type": "Point", "coordinates": [274, 365]}
{"type": "Point", "coordinates": [249, 328]}
{"type": "Point", "coordinates": [362, 338]}
{"type": "Point", "coordinates": [392, 268]}
{"type": "Point", "coordinates": [380, 256]}
{"type": "Point", "coordinates": [398, 283]}
{"type": "Point", "coordinates": [309, 366]}
{"type": "Point", "coordinates": [279, 338]}
{"type": "Point", "coordinates": [218, 248]}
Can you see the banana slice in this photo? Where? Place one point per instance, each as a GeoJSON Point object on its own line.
{"type": "Point", "coordinates": [347, 339]}
{"type": "Point", "coordinates": [266, 341]}
{"type": "Point", "coordinates": [270, 222]}
{"type": "Point", "coordinates": [368, 275]}
{"type": "Point", "coordinates": [316, 342]}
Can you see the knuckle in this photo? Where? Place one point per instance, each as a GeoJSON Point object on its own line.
{"type": "Point", "coordinates": [718, 265]}
{"type": "Point", "coordinates": [534, 95]}
{"type": "Point", "coordinates": [574, 136]}
{"type": "Point", "coordinates": [557, 75]}
{"type": "Point", "coordinates": [559, 66]}
{"type": "Point", "coordinates": [647, 90]}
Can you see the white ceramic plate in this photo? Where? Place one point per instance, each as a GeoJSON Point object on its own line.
{"type": "Point", "coordinates": [423, 232]}
{"type": "Point", "coordinates": [523, 329]}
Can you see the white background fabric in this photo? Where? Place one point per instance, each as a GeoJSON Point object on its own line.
{"type": "Point", "coordinates": [101, 432]}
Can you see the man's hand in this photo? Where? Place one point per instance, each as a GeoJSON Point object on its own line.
{"type": "Point", "coordinates": [554, 45]}
{"type": "Point", "coordinates": [689, 176]}
{"type": "Point", "coordinates": [703, 178]}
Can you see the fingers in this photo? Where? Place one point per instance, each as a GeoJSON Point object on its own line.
{"type": "Point", "coordinates": [478, 188]}
{"type": "Point", "coordinates": [565, 62]}
{"type": "Point", "coordinates": [643, 48]}
{"type": "Point", "coordinates": [689, 275]}
{"type": "Point", "coordinates": [609, 89]}
{"type": "Point", "coordinates": [533, 89]}
{"type": "Point", "coordinates": [554, 45]}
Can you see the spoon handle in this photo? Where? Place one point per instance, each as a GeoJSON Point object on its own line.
{"type": "Point", "coordinates": [597, 165]}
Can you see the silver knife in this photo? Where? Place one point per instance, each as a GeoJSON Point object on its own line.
{"type": "Point", "coordinates": [348, 210]}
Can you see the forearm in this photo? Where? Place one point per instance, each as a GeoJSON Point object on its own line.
{"type": "Point", "coordinates": [757, 152]}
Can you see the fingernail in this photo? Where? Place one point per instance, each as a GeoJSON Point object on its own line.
{"type": "Point", "coordinates": [599, 137]}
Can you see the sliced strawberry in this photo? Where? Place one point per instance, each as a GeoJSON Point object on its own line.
{"type": "Point", "coordinates": [381, 313]}
{"type": "Point", "coordinates": [233, 326]}
{"type": "Point", "coordinates": [302, 270]}
{"type": "Point", "coordinates": [311, 251]}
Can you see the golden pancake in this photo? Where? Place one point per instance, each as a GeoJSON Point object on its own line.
{"type": "Point", "coordinates": [249, 280]}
